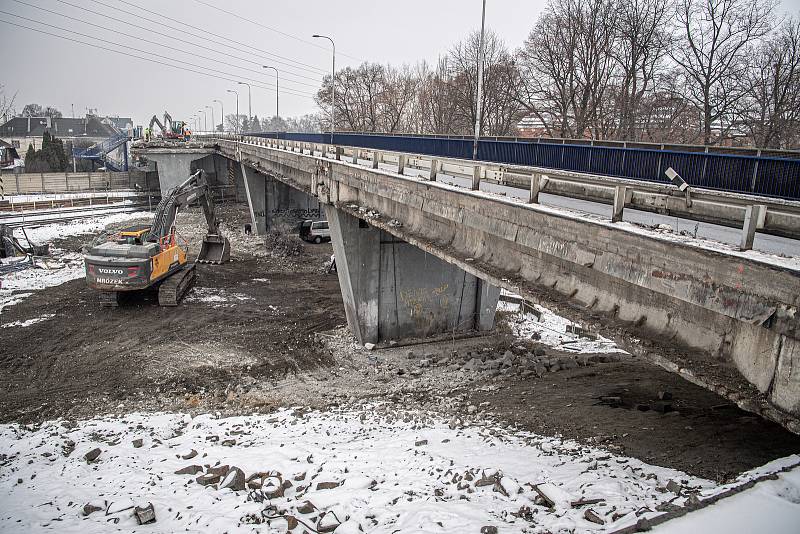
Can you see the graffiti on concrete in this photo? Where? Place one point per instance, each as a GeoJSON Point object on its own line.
{"type": "Point", "coordinates": [297, 213]}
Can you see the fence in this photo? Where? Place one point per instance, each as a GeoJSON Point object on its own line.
{"type": "Point", "coordinates": [62, 182]}
{"type": "Point", "coordinates": [777, 175]}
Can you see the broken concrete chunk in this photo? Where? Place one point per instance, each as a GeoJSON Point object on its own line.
{"type": "Point", "coordinates": [234, 480]}
{"type": "Point", "coordinates": [208, 479]}
{"type": "Point", "coordinates": [189, 455]}
{"type": "Point", "coordinates": [92, 455]}
{"type": "Point", "coordinates": [327, 523]}
{"type": "Point", "coordinates": [327, 485]}
{"type": "Point", "coordinates": [189, 470]}
{"type": "Point", "coordinates": [589, 515]}
{"type": "Point", "coordinates": [369, 346]}
{"type": "Point", "coordinates": [137, 443]}
{"type": "Point", "coordinates": [489, 529]}
{"type": "Point", "coordinates": [674, 487]}
{"type": "Point", "coordinates": [421, 442]}
{"type": "Point", "coordinates": [90, 509]}
{"type": "Point", "coordinates": [220, 470]}
{"type": "Point", "coordinates": [553, 496]}
{"type": "Point", "coordinates": [306, 508]}
{"type": "Point", "coordinates": [145, 515]}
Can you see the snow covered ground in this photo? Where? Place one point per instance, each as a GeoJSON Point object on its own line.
{"type": "Point", "coordinates": [372, 468]}
{"type": "Point", "coordinates": [61, 266]}
{"type": "Point", "coordinates": [552, 330]}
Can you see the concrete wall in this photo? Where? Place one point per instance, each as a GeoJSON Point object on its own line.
{"type": "Point", "coordinates": [58, 182]}
{"type": "Point", "coordinates": [286, 207]}
{"type": "Point", "coordinates": [393, 290]}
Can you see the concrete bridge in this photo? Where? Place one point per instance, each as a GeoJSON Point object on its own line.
{"type": "Point", "coordinates": [418, 257]}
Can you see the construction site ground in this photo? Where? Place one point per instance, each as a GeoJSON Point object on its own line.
{"type": "Point", "coordinates": [267, 331]}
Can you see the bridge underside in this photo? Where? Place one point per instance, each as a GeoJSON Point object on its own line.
{"type": "Point", "coordinates": [724, 321]}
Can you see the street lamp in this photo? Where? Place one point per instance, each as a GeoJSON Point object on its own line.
{"type": "Point", "coordinates": [479, 99]}
{"type": "Point", "coordinates": [222, 110]}
{"type": "Point", "coordinates": [333, 83]}
{"type": "Point", "coordinates": [249, 101]}
{"type": "Point", "coordinates": [277, 92]}
{"type": "Point", "coordinates": [213, 123]}
{"type": "Point", "coordinates": [237, 108]}
{"type": "Point", "coordinates": [205, 122]}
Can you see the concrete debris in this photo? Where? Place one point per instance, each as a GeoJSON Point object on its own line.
{"type": "Point", "coordinates": [421, 442]}
{"type": "Point", "coordinates": [328, 522]}
{"type": "Point", "coordinates": [145, 515]}
{"type": "Point", "coordinates": [553, 496]}
{"type": "Point", "coordinates": [489, 529]}
{"type": "Point", "coordinates": [189, 470]}
{"type": "Point", "coordinates": [369, 346]}
{"type": "Point", "coordinates": [189, 455]}
{"type": "Point", "coordinates": [234, 480]}
{"type": "Point", "coordinates": [92, 455]}
{"type": "Point", "coordinates": [306, 508]}
{"type": "Point", "coordinates": [89, 509]}
{"type": "Point", "coordinates": [137, 443]}
{"type": "Point", "coordinates": [589, 515]}
{"type": "Point", "coordinates": [327, 485]}
{"type": "Point", "coordinates": [208, 479]}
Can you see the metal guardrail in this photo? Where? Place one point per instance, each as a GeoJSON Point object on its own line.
{"type": "Point", "coordinates": [774, 176]}
{"type": "Point", "coordinates": [750, 212]}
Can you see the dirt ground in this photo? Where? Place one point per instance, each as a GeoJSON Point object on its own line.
{"type": "Point", "coordinates": [266, 330]}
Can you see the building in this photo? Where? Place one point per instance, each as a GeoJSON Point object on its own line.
{"type": "Point", "coordinates": [9, 157]}
{"type": "Point", "coordinates": [20, 132]}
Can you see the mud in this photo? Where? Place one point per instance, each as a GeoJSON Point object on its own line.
{"type": "Point", "coordinates": [265, 330]}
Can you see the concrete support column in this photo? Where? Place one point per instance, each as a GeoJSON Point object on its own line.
{"type": "Point", "coordinates": [173, 168]}
{"type": "Point", "coordinates": [255, 190]}
{"type": "Point", "coordinates": [394, 290]}
{"type": "Point", "coordinates": [619, 203]}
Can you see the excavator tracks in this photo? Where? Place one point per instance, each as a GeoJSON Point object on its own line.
{"type": "Point", "coordinates": [173, 289]}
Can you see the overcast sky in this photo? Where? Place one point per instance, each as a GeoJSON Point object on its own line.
{"type": "Point", "coordinates": [52, 71]}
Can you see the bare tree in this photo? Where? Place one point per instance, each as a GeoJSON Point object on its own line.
{"type": "Point", "coordinates": [567, 65]}
{"type": "Point", "coordinates": [770, 109]}
{"type": "Point", "coordinates": [501, 108]}
{"type": "Point", "coordinates": [714, 38]}
{"type": "Point", "coordinates": [435, 105]}
{"type": "Point", "coordinates": [640, 46]}
{"type": "Point", "coordinates": [6, 104]}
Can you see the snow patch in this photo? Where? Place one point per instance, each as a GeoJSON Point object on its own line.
{"type": "Point", "coordinates": [29, 322]}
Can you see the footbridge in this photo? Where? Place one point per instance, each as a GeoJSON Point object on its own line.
{"type": "Point", "coordinates": [419, 255]}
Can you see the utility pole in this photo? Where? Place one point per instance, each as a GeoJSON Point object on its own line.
{"type": "Point", "coordinates": [479, 99]}
{"type": "Point", "coordinates": [213, 124]}
{"type": "Point", "coordinates": [277, 92]}
{"type": "Point", "coordinates": [222, 110]}
{"type": "Point", "coordinates": [333, 84]}
{"type": "Point", "coordinates": [249, 102]}
{"type": "Point", "coordinates": [237, 109]}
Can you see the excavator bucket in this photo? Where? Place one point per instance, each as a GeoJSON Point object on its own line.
{"type": "Point", "coordinates": [215, 249]}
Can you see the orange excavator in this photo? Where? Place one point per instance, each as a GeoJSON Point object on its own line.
{"type": "Point", "coordinates": [147, 257]}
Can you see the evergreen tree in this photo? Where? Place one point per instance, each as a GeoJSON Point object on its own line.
{"type": "Point", "coordinates": [255, 125]}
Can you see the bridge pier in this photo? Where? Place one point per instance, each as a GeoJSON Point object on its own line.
{"type": "Point", "coordinates": [394, 290]}
{"type": "Point", "coordinates": [287, 207]}
{"type": "Point", "coordinates": [255, 193]}
{"type": "Point", "coordinates": [175, 165]}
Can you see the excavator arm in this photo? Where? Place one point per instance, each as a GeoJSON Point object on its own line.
{"type": "Point", "coordinates": [215, 248]}
{"type": "Point", "coordinates": [155, 120]}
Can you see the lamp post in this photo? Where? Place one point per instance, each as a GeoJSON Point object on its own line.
{"type": "Point", "coordinates": [213, 124]}
{"type": "Point", "coordinates": [249, 101]}
{"type": "Point", "coordinates": [205, 122]}
{"type": "Point", "coordinates": [222, 110]}
{"type": "Point", "coordinates": [333, 83]}
{"type": "Point", "coordinates": [479, 99]}
{"type": "Point", "coordinates": [277, 91]}
{"type": "Point", "coordinates": [237, 108]}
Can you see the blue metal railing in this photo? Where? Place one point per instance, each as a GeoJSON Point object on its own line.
{"type": "Point", "coordinates": [761, 175]}
{"type": "Point", "coordinates": [100, 151]}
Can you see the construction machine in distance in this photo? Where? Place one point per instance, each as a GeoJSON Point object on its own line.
{"type": "Point", "coordinates": [171, 129]}
{"type": "Point", "coordinates": [150, 257]}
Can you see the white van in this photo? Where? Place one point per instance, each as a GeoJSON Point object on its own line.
{"type": "Point", "coordinates": [315, 231]}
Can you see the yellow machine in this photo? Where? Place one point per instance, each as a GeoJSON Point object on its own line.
{"type": "Point", "coordinates": [145, 257]}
